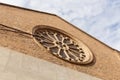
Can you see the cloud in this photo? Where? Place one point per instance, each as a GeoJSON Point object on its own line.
{"type": "Point", "coordinates": [106, 26]}
{"type": "Point", "coordinates": [100, 18]}
{"type": "Point", "coordinates": [14, 2]}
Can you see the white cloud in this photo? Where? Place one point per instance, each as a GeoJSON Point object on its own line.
{"type": "Point", "coordinates": [73, 8]}
{"type": "Point", "coordinates": [14, 2]}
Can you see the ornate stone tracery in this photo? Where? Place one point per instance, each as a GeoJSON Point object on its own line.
{"type": "Point", "coordinates": [62, 45]}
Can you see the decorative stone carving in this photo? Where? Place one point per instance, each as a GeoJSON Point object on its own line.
{"type": "Point", "coordinates": [62, 45]}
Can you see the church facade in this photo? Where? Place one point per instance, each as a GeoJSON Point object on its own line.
{"type": "Point", "coordinates": [36, 45]}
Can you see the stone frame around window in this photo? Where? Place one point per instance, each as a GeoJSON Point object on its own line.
{"type": "Point", "coordinates": [62, 44]}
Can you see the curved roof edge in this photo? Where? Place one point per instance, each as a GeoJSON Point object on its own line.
{"type": "Point", "coordinates": [61, 19]}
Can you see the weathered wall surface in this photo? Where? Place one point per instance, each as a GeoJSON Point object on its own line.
{"type": "Point", "coordinates": [107, 60]}
{"type": "Point", "coordinates": [17, 66]}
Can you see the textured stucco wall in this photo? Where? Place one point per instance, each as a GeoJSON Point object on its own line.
{"type": "Point", "coordinates": [17, 66]}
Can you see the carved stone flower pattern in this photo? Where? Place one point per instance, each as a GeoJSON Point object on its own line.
{"type": "Point", "coordinates": [62, 46]}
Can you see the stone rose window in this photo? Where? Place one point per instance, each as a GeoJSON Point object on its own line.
{"type": "Point", "coordinates": [62, 45]}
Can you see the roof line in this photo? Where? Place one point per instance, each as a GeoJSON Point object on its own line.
{"type": "Point", "coordinates": [89, 35]}
{"type": "Point", "coordinates": [61, 19]}
{"type": "Point", "coordinates": [26, 9]}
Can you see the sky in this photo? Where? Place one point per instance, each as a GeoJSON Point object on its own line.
{"type": "Point", "coordinates": [99, 18]}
